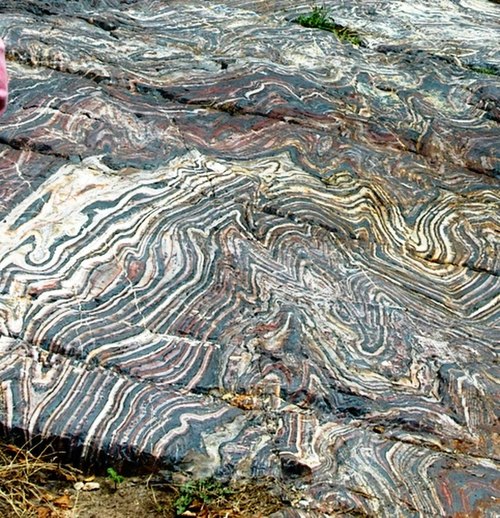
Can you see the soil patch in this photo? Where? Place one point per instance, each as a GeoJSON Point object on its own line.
{"type": "Point", "coordinates": [36, 485]}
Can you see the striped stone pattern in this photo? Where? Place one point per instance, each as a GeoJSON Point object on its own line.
{"type": "Point", "coordinates": [234, 246]}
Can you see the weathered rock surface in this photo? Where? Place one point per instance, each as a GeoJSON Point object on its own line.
{"type": "Point", "coordinates": [237, 246]}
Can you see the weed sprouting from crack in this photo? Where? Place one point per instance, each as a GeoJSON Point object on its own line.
{"type": "Point", "coordinates": [319, 18]}
{"type": "Point", "coordinates": [487, 70]}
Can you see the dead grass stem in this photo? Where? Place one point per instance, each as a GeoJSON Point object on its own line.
{"type": "Point", "coordinates": [22, 477]}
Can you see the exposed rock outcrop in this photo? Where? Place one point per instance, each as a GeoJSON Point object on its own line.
{"type": "Point", "coordinates": [237, 246]}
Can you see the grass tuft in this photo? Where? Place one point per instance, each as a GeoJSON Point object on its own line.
{"type": "Point", "coordinates": [319, 18]}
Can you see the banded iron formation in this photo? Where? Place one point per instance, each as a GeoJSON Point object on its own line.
{"type": "Point", "coordinates": [236, 246]}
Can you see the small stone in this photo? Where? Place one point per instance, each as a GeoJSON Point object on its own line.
{"type": "Point", "coordinates": [91, 486]}
{"type": "Point", "coordinates": [79, 486]}
{"type": "Point", "coordinates": [179, 478]}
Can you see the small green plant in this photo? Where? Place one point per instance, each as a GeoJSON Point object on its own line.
{"type": "Point", "coordinates": [114, 477]}
{"type": "Point", "coordinates": [319, 18]}
{"type": "Point", "coordinates": [202, 491]}
{"type": "Point", "coordinates": [488, 69]}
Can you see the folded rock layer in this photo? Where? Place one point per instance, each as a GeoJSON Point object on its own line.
{"type": "Point", "coordinates": [236, 246]}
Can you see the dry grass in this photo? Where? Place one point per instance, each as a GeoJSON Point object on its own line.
{"type": "Point", "coordinates": [23, 478]}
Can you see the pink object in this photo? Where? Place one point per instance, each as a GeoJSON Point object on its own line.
{"type": "Point", "coordinates": [4, 80]}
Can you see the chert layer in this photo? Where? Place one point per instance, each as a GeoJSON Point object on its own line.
{"type": "Point", "coordinates": [238, 246]}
